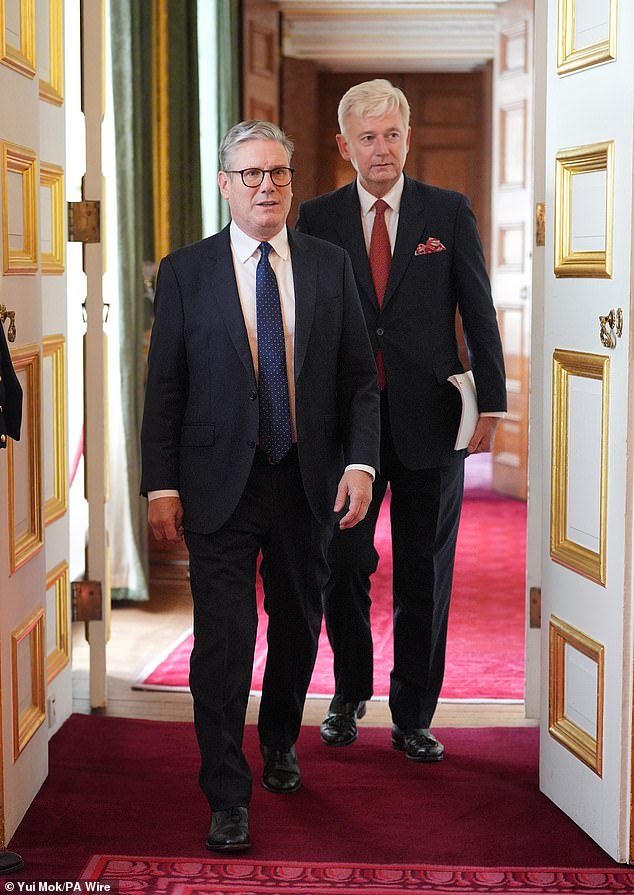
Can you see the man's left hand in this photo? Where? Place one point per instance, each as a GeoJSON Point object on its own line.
{"type": "Point", "coordinates": [357, 485]}
{"type": "Point", "coordinates": [484, 435]}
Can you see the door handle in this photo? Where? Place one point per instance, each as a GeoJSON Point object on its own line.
{"type": "Point", "coordinates": [11, 330]}
{"type": "Point", "coordinates": [611, 327]}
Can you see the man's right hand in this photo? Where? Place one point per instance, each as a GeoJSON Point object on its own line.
{"type": "Point", "coordinates": [165, 515]}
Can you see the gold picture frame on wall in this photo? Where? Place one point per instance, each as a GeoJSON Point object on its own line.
{"type": "Point", "coordinates": [55, 497]}
{"type": "Point", "coordinates": [52, 87]}
{"type": "Point", "coordinates": [599, 43]}
{"type": "Point", "coordinates": [59, 656]}
{"type": "Point", "coordinates": [26, 535]}
{"type": "Point", "coordinates": [586, 747]}
{"type": "Point", "coordinates": [53, 240]}
{"type": "Point", "coordinates": [563, 548]}
{"type": "Point", "coordinates": [581, 203]}
{"type": "Point", "coordinates": [29, 707]}
{"type": "Point", "coordinates": [17, 21]}
{"type": "Point", "coordinates": [19, 209]}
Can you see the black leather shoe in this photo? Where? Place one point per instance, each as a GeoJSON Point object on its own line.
{"type": "Point", "coordinates": [229, 830]}
{"type": "Point", "coordinates": [281, 770]}
{"type": "Point", "coordinates": [10, 861]}
{"type": "Point", "coordinates": [339, 727]}
{"type": "Point", "coordinates": [417, 743]}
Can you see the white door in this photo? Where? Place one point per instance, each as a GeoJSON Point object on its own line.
{"type": "Point", "coordinates": [511, 242]}
{"type": "Point", "coordinates": [586, 699]}
{"type": "Point", "coordinates": [34, 580]}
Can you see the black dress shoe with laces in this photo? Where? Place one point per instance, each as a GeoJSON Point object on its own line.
{"type": "Point", "coordinates": [281, 770]}
{"type": "Point", "coordinates": [10, 862]}
{"type": "Point", "coordinates": [229, 830]}
{"type": "Point", "coordinates": [339, 727]}
{"type": "Point", "coordinates": [417, 743]}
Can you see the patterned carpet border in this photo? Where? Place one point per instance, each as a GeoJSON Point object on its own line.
{"type": "Point", "coordinates": [193, 876]}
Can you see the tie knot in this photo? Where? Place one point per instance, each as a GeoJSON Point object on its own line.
{"type": "Point", "coordinates": [265, 248]}
{"type": "Point", "coordinates": [380, 206]}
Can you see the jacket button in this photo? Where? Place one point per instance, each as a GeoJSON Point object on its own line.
{"type": "Point", "coordinates": [380, 331]}
{"type": "Point", "coordinates": [3, 438]}
{"type": "Point", "coordinates": [251, 443]}
{"type": "Point", "coordinates": [253, 396]}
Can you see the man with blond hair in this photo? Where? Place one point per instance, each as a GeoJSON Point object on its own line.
{"type": "Point", "coordinates": [417, 259]}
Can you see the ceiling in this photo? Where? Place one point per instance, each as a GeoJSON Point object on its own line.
{"type": "Point", "coordinates": [390, 35]}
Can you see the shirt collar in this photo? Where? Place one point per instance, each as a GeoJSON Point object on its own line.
{"type": "Point", "coordinates": [393, 197]}
{"type": "Point", "coordinates": [244, 246]}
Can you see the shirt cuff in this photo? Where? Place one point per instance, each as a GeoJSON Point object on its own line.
{"type": "Point", "coordinates": [167, 492]}
{"type": "Point", "coordinates": [500, 414]}
{"type": "Point", "coordinates": [362, 466]}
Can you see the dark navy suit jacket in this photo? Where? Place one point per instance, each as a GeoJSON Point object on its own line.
{"type": "Point", "coordinates": [415, 327]}
{"type": "Point", "coordinates": [201, 416]}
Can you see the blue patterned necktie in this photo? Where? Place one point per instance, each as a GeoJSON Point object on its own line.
{"type": "Point", "coordinates": [275, 416]}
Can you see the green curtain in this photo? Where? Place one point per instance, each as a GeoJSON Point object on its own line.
{"type": "Point", "coordinates": [184, 130]}
{"type": "Point", "coordinates": [228, 76]}
{"type": "Point", "coordinates": [132, 46]}
{"type": "Point", "coordinates": [131, 82]}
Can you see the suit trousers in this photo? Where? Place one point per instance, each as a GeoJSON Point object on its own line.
{"type": "Point", "coordinates": [273, 516]}
{"type": "Point", "coordinates": [424, 514]}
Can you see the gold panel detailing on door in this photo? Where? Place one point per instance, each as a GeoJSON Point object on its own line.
{"type": "Point", "coordinates": [586, 34]}
{"type": "Point", "coordinates": [52, 213]}
{"type": "Point", "coordinates": [580, 398]}
{"type": "Point", "coordinates": [55, 472]}
{"type": "Point", "coordinates": [576, 693]}
{"type": "Point", "coordinates": [584, 202]}
{"type": "Point", "coordinates": [19, 209]}
{"type": "Point", "coordinates": [28, 679]}
{"type": "Point", "coordinates": [17, 35]}
{"type": "Point", "coordinates": [24, 463]}
{"type": "Point", "coordinates": [51, 67]}
{"type": "Point", "coordinates": [57, 615]}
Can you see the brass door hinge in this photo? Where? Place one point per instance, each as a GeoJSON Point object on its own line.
{"type": "Point", "coordinates": [84, 221]}
{"type": "Point", "coordinates": [535, 607]}
{"type": "Point", "coordinates": [540, 224]}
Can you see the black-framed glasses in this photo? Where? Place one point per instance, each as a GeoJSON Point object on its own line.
{"type": "Point", "coordinates": [254, 176]}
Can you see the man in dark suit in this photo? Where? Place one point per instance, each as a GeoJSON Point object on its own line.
{"type": "Point", "coordinates": [417, 257]}
{"type": "Point", "coordinates": [261, 422]}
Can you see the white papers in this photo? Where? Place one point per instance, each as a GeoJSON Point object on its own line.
{"type": "Point", "coordinates": [465, 384]}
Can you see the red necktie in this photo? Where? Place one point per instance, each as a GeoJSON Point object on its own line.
{"type": "Point", "coordinates": [380, 261]}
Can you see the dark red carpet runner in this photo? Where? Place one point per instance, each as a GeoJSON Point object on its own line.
{"type": "Point", "coordinates": [485, 650]}
{"type": "Point", "coordinates": [244, 877]}
{"type": "Point", "coordinates": [121, 787]}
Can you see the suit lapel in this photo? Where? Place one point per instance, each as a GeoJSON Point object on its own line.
{"type": "Point", "coordinates": [352, 239]}
{"type": "Point", "coordinates": [224, 292]}
{"type": "Point", "coordinates": [305, 272]}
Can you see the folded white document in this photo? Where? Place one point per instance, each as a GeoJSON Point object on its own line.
{"type": "Point", "coordinates": [465, 384]}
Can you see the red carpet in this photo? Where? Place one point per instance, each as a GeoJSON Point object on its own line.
{"type": "Point", "coordinates": [485, 651]}
{"type": "Point", "coordinates": [160, 875]}
{"type": "Point", "coordinates": [129, 787]}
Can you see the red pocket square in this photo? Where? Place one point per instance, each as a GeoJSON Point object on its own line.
{"type": "Point", "coordinates": [432, 245]}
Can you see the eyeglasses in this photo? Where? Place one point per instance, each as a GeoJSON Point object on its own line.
{"type": "Point", "coordinates": [255, 176]}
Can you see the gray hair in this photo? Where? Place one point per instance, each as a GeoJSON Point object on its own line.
{"type": "Point", "coordinates": [372, 98]}
{"type": "Point", "coordinates": [251, 130]}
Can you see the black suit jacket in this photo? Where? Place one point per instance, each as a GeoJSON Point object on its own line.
{"type": "Point", "coordinates": [10, 395]}
{"type": "Point", "coordinates": [415, 328]}
{"type": "Point", "coordinates": [201, 416]}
